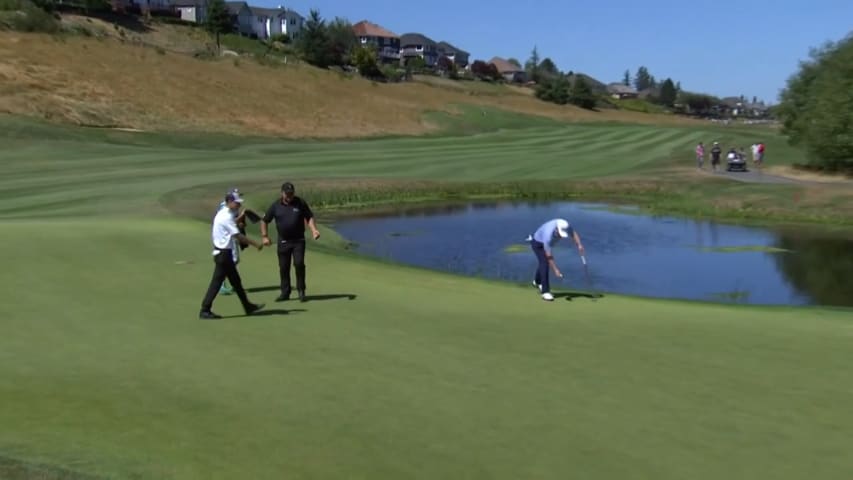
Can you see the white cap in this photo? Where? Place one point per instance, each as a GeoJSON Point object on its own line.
{"type": "Point", "coordinates": [562, 226]}
{"type": "Point", "coordinates": [233, 197]}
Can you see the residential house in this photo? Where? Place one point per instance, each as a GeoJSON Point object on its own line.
{"type": "Point", "coordinates": [292, 23]}
{"type": "Point", "coordinates": [416, 45]}
{"type": "Point", "coordinates": [265, 22]}
{"type": "Point", "coordinates": [386, 42]}
{"type": "Point", "coordinates": [510, 71]}
{"type": "Point", "coordinates": [241, 18]}
{"type": "Point", "coordinates": [651, 92]}
{"type": "Point", "coordinates": [191, 10]}
{"type": "Point", "coordinates": [269, 22]}
{"type": "Point", "coordinates": [152, 5]}
{"type": "Point", "coordinates": [456, 55]}
{"type": "Point", "coordinates": [621, 91]}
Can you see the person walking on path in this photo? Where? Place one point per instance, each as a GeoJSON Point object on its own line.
{"type": "Point", "coordinates": [541, 242]}
{"type": "Point", "coordinates": [700, 155]}
{"type": "Point", "coordinates": [716, 151]}
{"type": "Point", "coordinates": [227, 238]}
{"type": "Point", "coordinates": [291, 215]}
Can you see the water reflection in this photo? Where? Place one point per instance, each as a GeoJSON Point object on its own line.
{"type": "Point", "coordinates": [654, 256]}
{"type": "Point", "coordinates": [821, 267]}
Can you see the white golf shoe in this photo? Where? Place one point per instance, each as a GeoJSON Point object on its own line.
{"type": "Point", "coordinates": [547, 296]}
{"type": "Point", "coordinates": [537, 285]}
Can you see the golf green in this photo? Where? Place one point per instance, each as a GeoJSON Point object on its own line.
{"type": "Point", "coordinates": [389, 372]}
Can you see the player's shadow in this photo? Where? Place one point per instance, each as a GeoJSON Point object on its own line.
{"type": "Point", "coordinates": [277, 311]}
{"type": "Point", "coordinates": [573, 295]}
{"type": "Point", "coordinates": [274, 312]}
{"type": "Point", "coordinates": [308, 297]}
{"type": "Point", "coordinates": [336, 296]}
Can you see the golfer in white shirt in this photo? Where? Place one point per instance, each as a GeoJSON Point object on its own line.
{"type": "Point", "coordinates": [226, 238]}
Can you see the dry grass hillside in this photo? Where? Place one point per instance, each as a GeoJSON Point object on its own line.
{"type": "Point", "coordinates": [114, 80]}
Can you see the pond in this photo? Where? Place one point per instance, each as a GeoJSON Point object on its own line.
{"type": "Point", "coordinates": [627, 252]}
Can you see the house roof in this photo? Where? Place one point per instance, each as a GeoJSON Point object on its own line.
{"type": "Point", "coordinates": [235, 7]}
{"type": "Point", "coordinates": [268, 12]}
{"type": "Point", "coordinates": [450, 48]}
{"type": "Point", "coordinates": [368, 29]}
{"type": "Point", "coordinates": [621, 88]}
{"type": "Point", "coordinates": [649, 92]}
{"type": "Point", "coordinates": [504, 66]}
{"type": "Point", "coordinates": [416, 39]}
{"type": "Point", "coordinates": [188, 3]}
{"type": "Point", "coordinates": [731, 101]}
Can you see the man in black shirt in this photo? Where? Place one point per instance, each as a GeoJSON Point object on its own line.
{"type": "Point", "coordinates": [715, 155]}
{"type": "Point", "coordinates": [291, 214]}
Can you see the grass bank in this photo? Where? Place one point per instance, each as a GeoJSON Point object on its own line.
{"type": "Point", "coordinates": [145, 76]}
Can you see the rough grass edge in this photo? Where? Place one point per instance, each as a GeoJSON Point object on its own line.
{"type": "Point", "coordinates": [345, 197]}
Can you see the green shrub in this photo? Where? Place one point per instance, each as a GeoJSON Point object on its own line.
{"type": "Point", "coordinates": [280, 38]}
{"type": "Point", "coordinates": [12, 5]}
{"type": "Point", "coordinates": [24, 16]}
{"type": "Point", "coordinates": [392, 73]}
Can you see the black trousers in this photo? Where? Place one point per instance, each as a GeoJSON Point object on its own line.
{"type": "Point", "coordinates": [225, 268]}
{"type": "Point", "coordinates": [291, 251]}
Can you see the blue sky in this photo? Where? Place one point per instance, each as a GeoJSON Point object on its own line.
{"type": "Point", "coordinates": [722, 47]}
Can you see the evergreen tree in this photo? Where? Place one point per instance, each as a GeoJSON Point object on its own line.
{"type": "Point", "coordinates": [314, 43]}
{"type": "Point", "coordinates": [643, 79]}
{"type": "Point", "coordinates": [218, 20]}
{"type": "Point", "coordinates": [581, 94]}
{"type": "Point", "coordinates": [668, 93]}
{"type": "Point", "coordinates": [532, 65]}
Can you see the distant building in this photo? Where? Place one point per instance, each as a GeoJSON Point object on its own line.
{"type": "Point", "coordinates": [191, 10]}
{"type": "Point", "coordinates": [510, 71]}
{"type": "Point", "coordinates": [385, 42]}
{"type": "Point", "coordinates": [621, 91]}
{"type": "Point", "coordinates": [456, 55]}
{"type": "Point", "coordinates": [414, 45]}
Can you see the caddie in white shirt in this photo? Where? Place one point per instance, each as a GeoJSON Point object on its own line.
{"type": "Point", "coordinates": [226, 238]}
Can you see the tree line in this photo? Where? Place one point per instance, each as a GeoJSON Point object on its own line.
{"type": "Point", "coordinates": [555, 86]}
{"type": "Point", "coordinates": [816, 107]}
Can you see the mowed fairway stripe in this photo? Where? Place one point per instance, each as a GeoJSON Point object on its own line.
{"type": "Point", "coordinates": [144, 172]}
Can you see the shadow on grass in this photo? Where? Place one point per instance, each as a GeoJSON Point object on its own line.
{"type": "Point", "coordinates": [573, 295]}
{"type": "Point", "coordinates": [309, 298]}
{"type": "Point", "coordinates": [268, 313]}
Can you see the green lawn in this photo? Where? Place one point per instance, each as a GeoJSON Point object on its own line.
{"type": "Point", "coordinates": [399, 372]}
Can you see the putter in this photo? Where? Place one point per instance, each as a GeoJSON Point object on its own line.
{"type": "Point", "coordinates": [588, 279]}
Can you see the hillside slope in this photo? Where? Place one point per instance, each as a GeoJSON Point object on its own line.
{"type": "Point", "coordinates": [110, 82]}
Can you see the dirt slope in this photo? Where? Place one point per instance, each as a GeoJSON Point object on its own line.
{"type": "Point", "coordinates": [114, 81]}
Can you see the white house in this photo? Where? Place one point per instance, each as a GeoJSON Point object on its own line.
{"type": "Point", "coordinates": [241, 17]}
{"type": "Point", "coordinates": [192, 10]}
{"type": "Point", "coordinates": [291, 23]}
{"type": "Point", "coordinates": [269, 22]}
{"type": "Point", "coordinates": [152, 5]}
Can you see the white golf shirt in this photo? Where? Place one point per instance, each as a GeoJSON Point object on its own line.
{"type": "Point", "coordinates": [224, 231]}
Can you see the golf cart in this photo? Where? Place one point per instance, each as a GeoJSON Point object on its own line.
{"type": "Point", "coordinates": [736, 163]}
